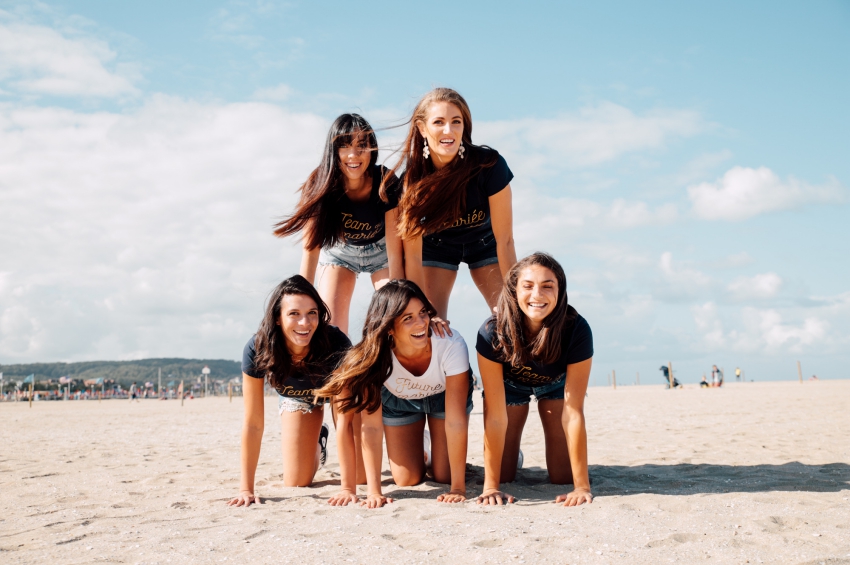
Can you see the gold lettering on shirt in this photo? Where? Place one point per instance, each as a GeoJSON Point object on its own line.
{"type": "Point", "coordinates": [528, 375]}
{"type": "Point", "coordinates": [405, 385]}
{"type": "Point", "coordinates": [290, 391]}
{"type": "Point", "coordinates": [474, 218]}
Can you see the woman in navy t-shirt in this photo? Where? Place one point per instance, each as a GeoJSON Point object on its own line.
{"type": "Point", "coordinates": [536, 345]}
{"type": "Point", "coordinates": [456, 203]}
{"type": "Point", "coordinates": [294, 350]}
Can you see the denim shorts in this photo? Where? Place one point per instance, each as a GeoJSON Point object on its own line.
{"type": "Point", "coordinates": [295, 404]}
{"type": "Point", "coordinates": [520, 395]}
{"type": "Point", "coordinates": [446, 254]}
{"type": "Point", "coordinates": [401, 411]}
{"type": "Point", "coordinates": [369, 258]}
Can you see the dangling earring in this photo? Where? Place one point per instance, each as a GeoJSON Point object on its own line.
{"type": "Point", "coordinates": [390, 339]}
{"type": "Point", "coordinates": [425, 151]}
{"type": "Point", "coordinates": [460, 150]}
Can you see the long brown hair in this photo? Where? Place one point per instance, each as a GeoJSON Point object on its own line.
{"type": "Point", "coordinates": [433, 199]}
{"type": "Point", "coordinates": [322, 193]}
{"type": "Point", "coordinates": [272, 359]}
{"type": "Point", "coordinates": [511, 335]}
{"type": "Point", "coordinates": [368, 364]}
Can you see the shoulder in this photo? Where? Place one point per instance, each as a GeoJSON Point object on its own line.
{"type": "Point", "coordinates": [249, 348]}
{"type": "Point", "coordinates": [495, 174]}
{"type": "Point", "coordinates": [449, 341]}
{"type": "Point", "coordinates": [486, 335]}
{"type": "Point", "coordinates": [337, 338]}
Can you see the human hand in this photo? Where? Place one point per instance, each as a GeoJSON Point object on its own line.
{"type": "Point", "coordinates": [578, 496]}
{"type": "Point", "coordinates": [375, 501]}
{"type": "Point", "coordinates": [495, 497]}
{"type": "Point", "coordinates": [245, 498]}
{"type": "Point", "coordinates": [441, 326]}
{"type": "Point", "coordinates": [453, 496]}
{"type": "Point", "coordinates": [343, 497]}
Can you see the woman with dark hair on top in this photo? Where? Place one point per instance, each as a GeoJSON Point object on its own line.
{"type": "Point", "coordinates": [456, 203]}
{"type": "Point", "coordinates": [294, 350]}
{"type": "Point", "coordinates": [397, 376]}
{"type": "Point", "coordinates": [535, 345]}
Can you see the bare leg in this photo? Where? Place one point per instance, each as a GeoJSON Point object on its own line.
{"type": "Point", "coordinates": [299, 439]}
{"type": "Point", "coordinates": [358, 448]}
{"type": "Point", "coordinates": [440, 467]}
{"type": "Point", "coordinates": [489, 282]}
{"type": "Point", "coordinates": [439, 283]}
{"type": "Point", "coordinates": [380, 278]}
{"type": "Point", "coordinates": [517, 415]}
{"type": "Point", "coordinates": [557, 453]}
{"type": "Point", "coordinates": [336, 285]}
{"type": "Point", "coordinates": [405, 451]}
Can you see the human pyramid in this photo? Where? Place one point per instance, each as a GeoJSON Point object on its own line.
{"type": "Point", "coordinates": [446, 202]}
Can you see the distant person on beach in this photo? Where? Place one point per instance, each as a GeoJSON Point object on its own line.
{"type": "Point", "coordinates": [716, 376]}
{"type": "Point", "coordinates": [536, 345]}
{"type": "Point", "coordinates": [294, 350]}
{"type": "Point", "coordinates": [665, 370]}
{"type": "Point", "coordinates": [704, 383]}
{"type": "Point", "coordinates": [456, 203]}
{"type": "Point", "coordinates": [400, 375]}
{"type": "Point", "coordinates": [737, 373]}
{"type": "Point", "coordinates": [134, 392]}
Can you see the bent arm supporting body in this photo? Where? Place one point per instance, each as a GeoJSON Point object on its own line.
{"type": "Point", "coordinates": [252, 430]}
{"type": "Point", "coordinates": [574, 423]}
{"type": "Point", "coordinates": [457, 428]}
{"type": "Point", "coordinates": [495, 421]}
{"type": "Point", "coordinates": [501, 217]}
{"type": "Point", "coordinates": [395, 248]}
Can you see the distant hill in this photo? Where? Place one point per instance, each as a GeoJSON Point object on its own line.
{"type": "Point", "coordinates": [125, 372]}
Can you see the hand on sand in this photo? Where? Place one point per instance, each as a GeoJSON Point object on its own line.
{"type": "Point", "coordinates": [441, 326]}
{"type": "Point", "coordinates": [578, 496]}
{"type": "Point", "coordinates": [245, 498]}
{"type": "Point", "coordinates": [343, 497]}
{"type": "Point", "coordinates": [493, 497]}
{"type": "Point", "coordinates": [375, 501]}
{"type": "Point", "coordinates": [452, 496]}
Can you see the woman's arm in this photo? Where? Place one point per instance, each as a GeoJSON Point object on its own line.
{"type": "Point", "coordinates": [347, 460]}
{"type": "Point", "coordinates": [252, 437]}
{"type": "Point", "coordinates": [576, 432]}
{"type": "Point", "coordinates": [309, 260]}
{"type": "Point", "coordinates": [502, 220]}
{"type": "Point", "coordinates": [395, 249]}
{"type": "Point", "coordinates": [457, 429]}
{"type": "Point", "coordinates": [413, 269]}
{"type": "Point", "coordinates": [372, 430]}
{"type": "Point", "coordinates": [495, 428]}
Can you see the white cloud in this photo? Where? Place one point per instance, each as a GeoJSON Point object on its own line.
{"type": "Point", "coordinates": [765, 285]}
{"type": "Point", "coordinates": [709, 325]}
{"type": "Point", "coordinates": [774, 335]}
{"type": "Point", "coordinates": [595, 135]}
{"type": "Point", "coordinates": [685, 279]}
{"type": "Point", "coordinates": [39, 60]}
{"type": "Point", "coordinates": [743, 192]}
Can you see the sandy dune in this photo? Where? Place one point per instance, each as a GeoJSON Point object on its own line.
{"type": "Point", "coordinates": [751, 473]}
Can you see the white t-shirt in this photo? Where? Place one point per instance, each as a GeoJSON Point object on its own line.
{"type": "Point", "coordinates": [449, 356]}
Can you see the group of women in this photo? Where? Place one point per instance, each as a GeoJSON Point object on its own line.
{"type": "Point", "coordinates": [446, 202]}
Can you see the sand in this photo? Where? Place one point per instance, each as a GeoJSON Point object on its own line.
{"type": "Point", "coordinates": [750, 473]}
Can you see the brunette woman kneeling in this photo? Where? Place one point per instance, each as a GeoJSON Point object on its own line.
{"type": "Point", "coordinates": [396, 377]}
{"type": "Point", "coordinates": [536, 345]}
{"type": "Point", "coordinates": [294, 350]}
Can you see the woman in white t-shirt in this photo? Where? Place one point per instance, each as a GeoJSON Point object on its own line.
{"type": "Point", "coordinates": [399, 374]}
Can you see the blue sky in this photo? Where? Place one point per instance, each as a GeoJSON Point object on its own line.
{"type": "Point", "coordinates": [686, 163]}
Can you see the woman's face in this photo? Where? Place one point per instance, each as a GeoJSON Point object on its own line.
{"type": "Point", "coordinates": [536, 293]}
{"type": "Point", "coordinates": [299, 318]}
{"type": "Point", "coordinates": [354, 158]}
{"type": "Point", "coordinates": [410, 330]}
{"type": "Point", "coordinates": [443, 129]}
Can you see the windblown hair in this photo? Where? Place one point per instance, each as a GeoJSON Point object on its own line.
{"type": "Point", "coordinates": [511, 337]}
{"type": "Point", "coordinates": [369, 363]}
{"type": "Point", "coordinates": [434, 199]}
{"type": "Point", "coordinates": [272, 359]}
{"type": "Point", "coordinates": [321, 195]}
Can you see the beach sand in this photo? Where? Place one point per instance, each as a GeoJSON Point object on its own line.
{"type": "Point", "coordinates": [750, 473]}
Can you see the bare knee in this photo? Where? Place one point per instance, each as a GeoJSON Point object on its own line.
{"type": "Point", "coordinates": [404, 478]}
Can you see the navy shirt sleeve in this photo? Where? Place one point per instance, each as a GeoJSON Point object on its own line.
{"type": "Point", "coordinates": [497, 177]}
{"type": "Point", "coordinates": [393, 190]}
{"type": "Point", "coordinates": [484, 341]}
{"type": "Point", "coordinates": [248, 354]}
{"type": "Point", "coordinates": [581, 345]}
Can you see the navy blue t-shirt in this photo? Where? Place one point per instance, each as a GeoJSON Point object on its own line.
{"type": "Point", "coordinates": [576, 346]}
{"type": "Point", "coordinates": [363, 222]}
{"type": "Point", "coordinates": [298, 384]}
{"type": "Point", "coordinates": [474, 223]}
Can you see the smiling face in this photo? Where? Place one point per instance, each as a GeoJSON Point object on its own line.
{"type": "Point", "coordinates": [537, 294]}
{"type": "Point", "coordinates": [354, 157]}
{"type": "Point", "coordinates": [443, 130]}
{"type": "Point", "coordinates": [410, 330]}
{"type": "Point", "coordinates": [299, 318]}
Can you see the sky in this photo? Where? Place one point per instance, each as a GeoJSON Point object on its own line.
{"type": "Point", "coordinates": [687, 163]}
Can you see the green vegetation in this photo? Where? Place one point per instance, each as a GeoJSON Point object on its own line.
{"type": "Point", "coordinates": [125, 372]}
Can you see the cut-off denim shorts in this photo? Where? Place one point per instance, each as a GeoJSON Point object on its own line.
{"type": "Point", "coordinates": [402, 411]}
{"type": "Point", "coordinates": [294, 404]}
{"type": "Point", "coordinates": [369, 258]}
{"type": "Point", "coordinates": [520, 395]}
{"type": "Point", "coordinates": [446, 254]}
